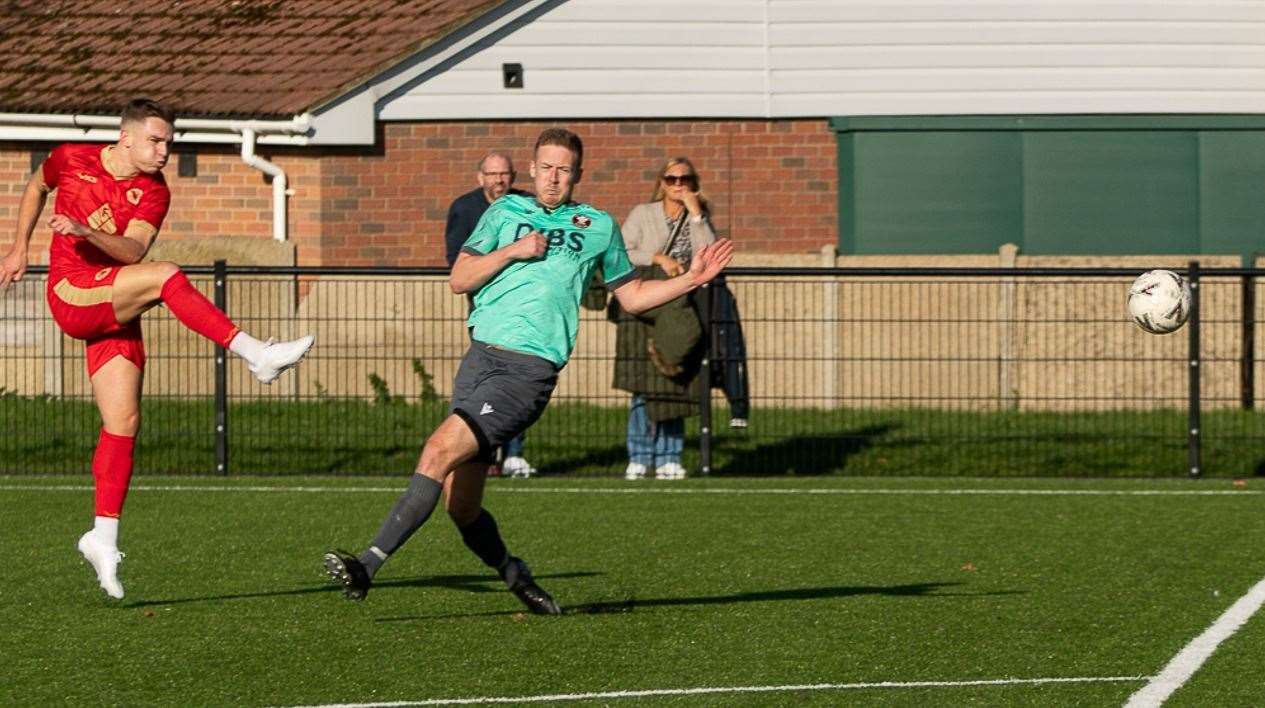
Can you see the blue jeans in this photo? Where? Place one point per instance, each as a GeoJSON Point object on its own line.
{"type": "Point", "coordinates": [653, 444]}
{"type": "Point", "coordinates": [514, 447]}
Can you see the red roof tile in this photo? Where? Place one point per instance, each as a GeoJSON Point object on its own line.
{"type": "Point", "coordinates": [209, 58]}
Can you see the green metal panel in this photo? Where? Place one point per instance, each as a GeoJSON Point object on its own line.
{"type": "Point", "coordinates": [1105, 192]}
{"type": "Point", "coordinates": [938, 192]}
{"type": "Point", "coordinates": [847, 191]}
{"type": "Point", "coordinates": [889, 124]}
{"type": "Point", "coordinates": [1232, 189]}
{"type": "Point", "coordinates": [1052, 184]}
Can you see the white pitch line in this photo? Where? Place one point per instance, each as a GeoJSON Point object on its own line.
{"type": "Point", "coordinates": [902, 492]}
{"type": "Point", "coordinates": [558, 697]}
{"type": "Point", "coordinates": [194, 488]}
{"type": "Point", "coordinates": [1194, 654]}
{"type": "Point", "coordinates": [664, 490]}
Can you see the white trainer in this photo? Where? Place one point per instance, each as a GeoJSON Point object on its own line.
{"type": "Point", "coordinates": [635, 470]}
{"type": "Point", "coordinates": [105, 560]}
{"type": "Point", "coordinates": [669, 470]}
{"type": "Point", "coordinates": [515, 466]}
{"type": "Point", "coordinates": [279, 356]}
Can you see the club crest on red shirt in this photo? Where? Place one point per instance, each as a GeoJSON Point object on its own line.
{"type": "Point", "coordinates": [134, 195]}
{"type": "Point", "coordinates": [103, 219]}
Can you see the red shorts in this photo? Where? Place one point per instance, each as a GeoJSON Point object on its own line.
{"type": "Point", "coordinates": [82, 303]}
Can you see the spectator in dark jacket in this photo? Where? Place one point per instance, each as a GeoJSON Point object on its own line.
{"type": "Point", "coordinates": [495, 177]}
{"type": "Point", "coordinates": [729, 353]}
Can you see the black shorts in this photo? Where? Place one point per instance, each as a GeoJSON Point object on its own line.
{"type": "Point", "coordinates": [499, 393]}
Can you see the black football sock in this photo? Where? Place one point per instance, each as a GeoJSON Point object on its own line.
{"type": "Point", "coordinates": [411, 510]}
{"type": "Point", "coordinates": [482, 537]}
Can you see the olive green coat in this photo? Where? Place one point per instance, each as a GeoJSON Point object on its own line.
{"type": "Point", "coordinates": [678, 338]}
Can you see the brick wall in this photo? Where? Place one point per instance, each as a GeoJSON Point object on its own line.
{"type": "Point", "coordinates": [15, 166]}
{"type": "Point", "coordinates": [773, 185]}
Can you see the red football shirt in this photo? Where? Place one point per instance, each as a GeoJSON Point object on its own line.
{"type": "Point", "coordinates": [89, 194]}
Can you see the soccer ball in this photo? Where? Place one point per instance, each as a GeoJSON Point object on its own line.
{"type": "Point", "coordinates": [1159, 301]}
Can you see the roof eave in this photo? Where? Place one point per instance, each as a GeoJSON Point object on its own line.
{"type": "Point", "coordinates": [415, 49]}
{"type": "Point", "coordinates": [96, 128]}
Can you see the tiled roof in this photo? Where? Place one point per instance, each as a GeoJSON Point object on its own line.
{"type": "Point", "coordinates": [208, 58]}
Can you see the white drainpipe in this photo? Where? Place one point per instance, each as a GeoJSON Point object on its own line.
{"type": "Point", "coordinates": [279, 191]}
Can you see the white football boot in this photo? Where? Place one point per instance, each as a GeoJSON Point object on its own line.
{"type": "Point", "coordinates": [279, 356]}
{"type": "Point", "coordinates": [105, 560]}
{"type": "Point", "coordinates": [515, 466]}
{"type": "Point", "coordinates": [669, 470]}
{"type": "Point", "coordinates": [635, 471]}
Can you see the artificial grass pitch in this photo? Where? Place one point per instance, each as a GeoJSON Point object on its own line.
{"type": "Point", "coordinates": [702, 584]}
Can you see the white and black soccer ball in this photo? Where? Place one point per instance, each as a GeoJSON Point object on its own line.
{"type": "Point", "coordinates": [1159, 301]}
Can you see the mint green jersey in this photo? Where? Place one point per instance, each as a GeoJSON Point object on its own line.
{"type": "Point", "coordinates": [534, 306]}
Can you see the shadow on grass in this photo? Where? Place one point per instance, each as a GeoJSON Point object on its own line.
{"type": "Point", "coordinates": [801, 455]}
{"type": "Point", "coordinates": [913, 590]}
{"type": "Point", "coordinates": [611, 456]}
{"type": "Point", "coordinates": [469, 583]}
{"type": "Point", "coordinates": [632, 604]}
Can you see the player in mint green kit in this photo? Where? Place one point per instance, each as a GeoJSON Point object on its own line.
{"type": "Point", "coordinates": [529, 260]}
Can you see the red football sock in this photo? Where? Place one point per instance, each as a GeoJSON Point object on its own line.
{"type": "Point", "coordinates": [112, 469]}
{"type": "Point", "coordinates": [195, 311]}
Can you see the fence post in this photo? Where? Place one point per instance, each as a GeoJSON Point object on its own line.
{"type": "Point", "coordinates": [705, 377]}
{"type": "Point", "coordinates": [1193, 440]}
{"type": "Point", "coordinates": [1247, 362]}
{"type": "Point", "coordinates": [221, 375]}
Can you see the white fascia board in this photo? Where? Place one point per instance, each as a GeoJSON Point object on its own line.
{"type": "Point", "coordinates": [54, 127]}
{"type": "Point", "coordinates": [347, 121]}
{"type": "Point", "coordinates": [455, 48]}
{"type": "Point", "coordinates": [351, 118]}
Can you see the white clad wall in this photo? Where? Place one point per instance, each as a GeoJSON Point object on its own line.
{"type": "Point", "coordinates": [1022, 56]}
{"type": "Point", "coordinates": [807, 58]}
{"type": "Point", "coordinates": [610, 58]}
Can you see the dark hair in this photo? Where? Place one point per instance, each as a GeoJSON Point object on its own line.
{"type": "Point", "coordinates": [562, 138]}
{"type": "Point", "coordinates": [138, 109]}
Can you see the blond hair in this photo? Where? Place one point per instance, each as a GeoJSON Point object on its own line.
{"type": "Point", "coordinates": [660, 193]}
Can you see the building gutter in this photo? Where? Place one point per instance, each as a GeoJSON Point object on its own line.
{"type": "Point", "coordinates": [53, 127]}
{"type": "Point", "coordinates": [279, 191]}
{"type": "Point", "coordinates": [69, 128]}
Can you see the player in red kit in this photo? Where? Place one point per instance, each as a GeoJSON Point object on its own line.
{"type": "Point", "coordinates": [110, 204]}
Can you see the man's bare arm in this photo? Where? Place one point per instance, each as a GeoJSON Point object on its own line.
{"type": "Point", "coordinates": [129, 249]}
{"type": "Point", "coordinates": [640, 295]}
{"type": "Point", "coordinates": [13, 265]}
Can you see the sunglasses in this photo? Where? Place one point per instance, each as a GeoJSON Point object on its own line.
{"type": "Point", "coordinates": [680, 179]}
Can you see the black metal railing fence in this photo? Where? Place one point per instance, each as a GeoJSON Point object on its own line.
{"type": "Point", "coordinates": [966, 371]}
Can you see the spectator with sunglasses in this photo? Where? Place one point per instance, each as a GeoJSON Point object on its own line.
{"type": "Point", "coordinates": [658, 352]}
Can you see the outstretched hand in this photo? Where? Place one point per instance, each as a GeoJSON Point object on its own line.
{"type": "Point", "coordinates": [12, 268]}
{"type": "Point", "coordinates": [708, 262]}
